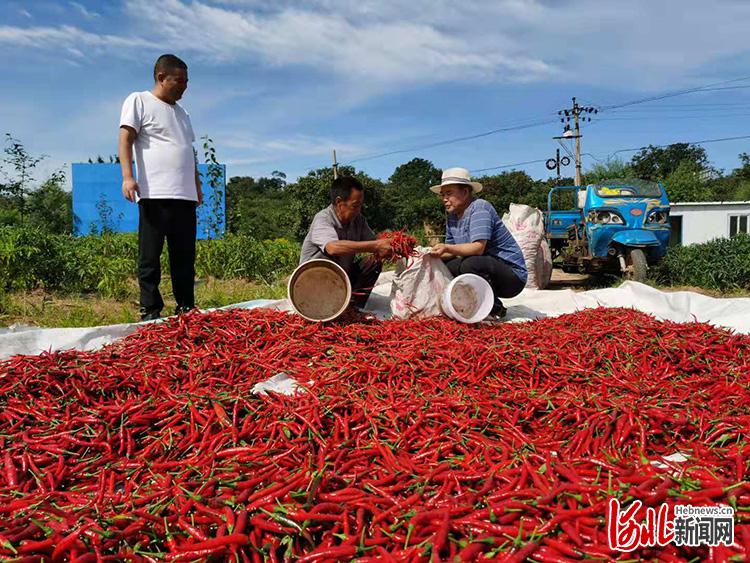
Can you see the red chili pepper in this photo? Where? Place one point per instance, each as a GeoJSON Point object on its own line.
{"type": "Point", "coordinates": [513, 431]}
{"type": "Point", "coordinates": [209, 544]}
{"type": "Point", "coordinates": [10, 470]}
{"type": "Point", "coordinates": [328, 554]}
{"type": "Point", "coordinates": [402, 244]}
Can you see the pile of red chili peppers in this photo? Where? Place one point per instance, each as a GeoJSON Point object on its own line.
{"type": "Point", "coordinates": [402, 243]}
{"type": "Point", "coordinates": [412, 440]}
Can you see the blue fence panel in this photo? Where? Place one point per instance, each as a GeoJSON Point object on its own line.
{"type": "Point", "coordinates": [98, 203]}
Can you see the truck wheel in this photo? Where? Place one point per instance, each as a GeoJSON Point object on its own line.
{"type": "Point", "coordinates": [637, 265]}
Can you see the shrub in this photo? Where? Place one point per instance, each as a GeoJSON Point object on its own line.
{"type": "Point", "coordinates": [238, 256]}
{"type": "Point", "coordinates": [721, 264]}
{"type": "Point", "coordinates": [31, 258]}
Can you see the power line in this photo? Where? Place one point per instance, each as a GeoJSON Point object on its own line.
{"type": "Point", "coordinates": [509, 165]}
{"type": "Point", "coordinates": [649, 110]}
{"type": "Point", "coordinates": [565, 148]}
{"type": "Point", "coordinates": [725, 88]}
{"type": "Point", "coordinates": [668, 117]}
{"type": "Point", "coordinates": [705, 88]}
{"type": "Point", "coordinates": [592, 156]}
{"type": "Point", "coordinates": [703, 142]}
{"type": "Point", "coordinates": [693, 105]}
{"type": "Point", "coordinates": [699, 105]}
{"type": "Point", "coordinates": [455, 140]}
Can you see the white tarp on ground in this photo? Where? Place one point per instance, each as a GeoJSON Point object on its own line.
{"type": "Point", "coordinates": [30, 340]}
{"type": "Point", "coordinates": [680, 306]}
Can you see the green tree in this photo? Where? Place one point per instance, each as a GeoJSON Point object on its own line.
{"type": "Point", "coordinates": [309, 194]}
{"type": "Point", "coordinates": [741, 177]}
{"type": "Point", "coordinates": [47, 207]}
{"type": "Point", "coordinates": [503, 189]}
{"type": "Point", "coordinates": [50, 207]}
{"type": "Point", "coordinates": [113, 159]}
{"type": "Point", "coordinates": [238, 190]}
{"type": "Point", "coordinates": [609, 170]}
{"type": "Point", "coordinates": [742, 192]}
{"type": "Point", "coordinates": [216, 211]}
{"type": "Point", "coordinates": [657, 163]}
{"type": "Point", "coordinates": [18, 181]}
{"type": "Point", "coordinates": [537, 196]}
{"type": "Point", "coordinates": [260, 209]}
{"type": "Point", "coordinates": [408, 196]}
{"type": "Point", "coordinates": [688, 183]}
{"type": "Point", "coordinates": [743, 171]}
{"type": "Point", "coordinates": [734, 186]}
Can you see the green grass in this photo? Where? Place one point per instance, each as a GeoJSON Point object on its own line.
{"type": "Point", "coordinates": [46, 309]}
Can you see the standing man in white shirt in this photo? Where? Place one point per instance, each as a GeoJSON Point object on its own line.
{"type": "Point", "coordinates": [168, 186]}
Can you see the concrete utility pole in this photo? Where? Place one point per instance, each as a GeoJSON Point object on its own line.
{"type": "Point", "coordinates": [575, 113]}
{"type": "Point", "coordinates": [335, 166]}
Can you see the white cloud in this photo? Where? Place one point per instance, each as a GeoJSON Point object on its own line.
{"type": "Point", "coordinates": [315, 59]}
{"type": "Point", "coordinates": [375, 51]}
{"type": "Point", "coordinates": [375, 45]}
{"type": "Point", "coordinates": [26, 14]}
{"type": "Point", "coordinates": [85, 12]}
{"type": "Point", "coordinates": [368, 47]}
{"type": "Point", "coordinates": [67, 37]}
{"type": "Point", "coordinates": [299, 145]}
{"type": "Point", "coordinates": [639, 44]}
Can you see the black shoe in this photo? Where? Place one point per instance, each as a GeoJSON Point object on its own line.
{"type": "Point", "coordinates": [149, 315]}
{"type": "Point", "coordinates": [181, 309]}
{"type": "Point", "coordinates": [498, 310]}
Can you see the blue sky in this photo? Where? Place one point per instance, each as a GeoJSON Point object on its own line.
{"type": "Point", "coordinates": [278, 84]}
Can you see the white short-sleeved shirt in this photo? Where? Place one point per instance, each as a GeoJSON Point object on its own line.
{"type": "Point", "coordinates": [164, 158]}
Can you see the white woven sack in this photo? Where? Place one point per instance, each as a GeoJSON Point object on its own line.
{"type": "Point", "coordinates": [526, 224]}
{"type": "Point", "coordinates": [418, 285]}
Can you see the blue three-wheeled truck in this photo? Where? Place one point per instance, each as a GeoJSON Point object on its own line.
{"type": "Point", "coordinates": [618, 226]}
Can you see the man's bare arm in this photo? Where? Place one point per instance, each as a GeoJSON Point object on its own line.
{"type": "Point", "coordinates": [380, 247]}
{"type": "Point", "coordinates": [198, 184]}
{"type": "Point", "coordinates": [125, 152]}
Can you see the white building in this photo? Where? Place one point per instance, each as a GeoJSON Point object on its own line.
{"type": "Point", "coordinates": [696, 222]}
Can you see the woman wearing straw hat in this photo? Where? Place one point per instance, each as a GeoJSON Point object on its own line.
{"type": "Point", "coordinates": [476, 240]}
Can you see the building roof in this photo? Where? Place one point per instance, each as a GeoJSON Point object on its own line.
{"type": "Point", "coordinates": [676, 203]}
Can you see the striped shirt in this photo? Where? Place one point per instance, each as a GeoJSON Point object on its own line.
{"type": "Point", "coordinates": [480, 221]}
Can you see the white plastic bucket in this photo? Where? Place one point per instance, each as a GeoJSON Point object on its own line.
{"type": "Point", "coordinates": [319, 290]}
{"type": "Point", "coordinates": [468, 299]}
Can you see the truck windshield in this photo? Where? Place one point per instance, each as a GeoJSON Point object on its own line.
{"type": "Point", "coordinates": [627, 188]}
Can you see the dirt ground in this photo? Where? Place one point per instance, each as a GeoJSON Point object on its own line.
{"type": "Point", "coordinates": [584, 282]}
{"type": "Point", "coordinates": [561, 280]}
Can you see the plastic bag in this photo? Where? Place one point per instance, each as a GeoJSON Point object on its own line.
{"type": "Point", "coordinates": [417, 286]}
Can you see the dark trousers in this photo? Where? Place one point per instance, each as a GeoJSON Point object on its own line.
{"type": "Point", "coordinates": [175, 220]}
{"type": "Point", "coordinates": [363, 274]}
{"type": "Point", "coordinates": [500, 276]}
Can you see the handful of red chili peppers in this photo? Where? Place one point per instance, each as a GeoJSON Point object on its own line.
{"type": "Point", "coordinates": [402, 243]}
{"type": "Point", "coordinates": [413, 440]}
